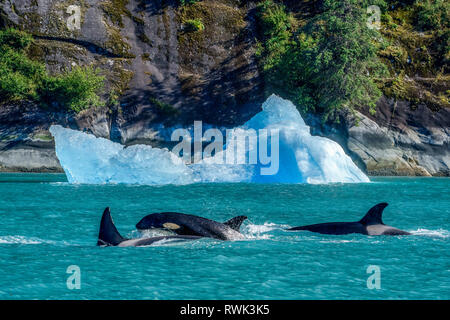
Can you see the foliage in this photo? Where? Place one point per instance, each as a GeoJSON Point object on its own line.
{"type": "Point", "coordinates": [19, 76]}
{"type": "Point", "coordinates": [331, 63]}
{"type": "Point", "coordinates": [194, 25]}
{"type": "Point", "coordinates": [23, 78]}
{"type": "Point", "coordinates": [276, 25]}
{"type": "Point", "coordinates": [186, 2]}
{"type": "Point", "coordinates": [163, 107]}
{"type": "Point", "coordinates": [418, 54]}
{"type": "Point", "coordinates": [15, 39]}
{"type": "Point", "coordinates": [75, 90]}
{"type": "Point", "coordinates": [432, 14]}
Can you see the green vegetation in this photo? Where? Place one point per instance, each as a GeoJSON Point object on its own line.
{"type": "Point", "coordinates": [194, 25]}
{"type": "Point", "coordinates": [328, 59]}
{"type": "Point", "coordinates": [114, 9]}
{"type": "Point", "coordinates": [186, 2]}
{"type": "Point", "coordinates": [222, 22]}
{"type": "Point", "coordinates": [163, 107]}
{"type": "Point", "coordinates": [24, 79]}
{"type": "Point", "coordinates": [327, 64]}
{"type": "Point", "coordinates": [20, 77]}
{"type": "Point", "coordinates": [432, 14]}
{"type": "Point", "coordinates": [277, 27]}
{"type": "Point", "coordinates": [418, 53]}
{"type": "Point", "coordinates": [75, 90]}
{"type": "Point", "coordinates": [318, 53]}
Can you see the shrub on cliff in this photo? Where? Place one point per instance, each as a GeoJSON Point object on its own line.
{"type": "Point", "coordinates": [75, 90]}
{"type": "Point", "coordinates": [186, 2]}
{"type": "Point", "coordinates": [194, 25]}
{"type": "Point", "coordinates": [24, 79]}
{"type": "Point", "coordinates": [19, 75]}
{"type": "Point", "coordinates": [15, 39]}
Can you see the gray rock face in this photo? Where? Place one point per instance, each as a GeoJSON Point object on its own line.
{"type": "Point", "coordinates": [26, 145]}
{"type": "Point", "coordinates": [397, 140]}
{"type": "Point", "coordinates": [401, 141]}
{"type": "Point", "coordinates": [148, 58]}
{"type": "Point", "coordinates": [169, 75]}
{"type": "Point", "coordinates": [29, 157]}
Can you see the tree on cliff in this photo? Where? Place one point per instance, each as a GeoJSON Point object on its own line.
{"type": "Point", "coordinates": [338, 58]}
{"type": "Point", "coordinates": [331, 62]}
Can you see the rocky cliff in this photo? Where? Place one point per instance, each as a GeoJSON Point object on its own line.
{"type": "Point", "coordinates": [162, 72]}
{"type": "Point", "coordinates": [397, 140]}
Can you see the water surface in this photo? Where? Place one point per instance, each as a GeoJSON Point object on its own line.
{"type": "Point", "coordinates": [48, 225]}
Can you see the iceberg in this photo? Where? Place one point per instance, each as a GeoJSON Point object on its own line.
{"type": "Point", "coordinates": [90, 160]}
{"type": "Point", "coordinates": [301, 157]}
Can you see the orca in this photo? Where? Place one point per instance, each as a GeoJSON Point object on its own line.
{"type": "Point", "coordinates": [371, 224]}
{"type": "Point", "coordinates": [109, 236]}
{"type": "Point", "coordinates": [190, 225]}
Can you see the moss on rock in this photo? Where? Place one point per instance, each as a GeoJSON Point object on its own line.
{"type": "Point", "coordinates": [115, 9]}
{"type": "Point", "coordinates": [417, 59]}
{"type": "Point", "coordinates": [221, 22]}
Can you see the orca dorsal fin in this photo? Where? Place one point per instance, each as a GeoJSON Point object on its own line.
{"type": "Point", "coordinates": [235, 223]}
{"type": "Point", "coordinates": [108, 234]}
{"type": "Point", "coordinates": [374, 215]}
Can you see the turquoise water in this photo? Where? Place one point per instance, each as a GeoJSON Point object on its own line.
{"type": "Point", "coordinates": [48, 225]}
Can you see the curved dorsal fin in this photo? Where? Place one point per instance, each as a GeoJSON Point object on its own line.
{"type": "Point", "coordinates": [108, 234]}
{"type": "Point", "coordinates": [235, 223]}
{"type": "Point", "coordinates": [374, 215]}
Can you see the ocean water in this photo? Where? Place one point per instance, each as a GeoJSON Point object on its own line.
{"type": "Point", "coordinates": [48, 225]}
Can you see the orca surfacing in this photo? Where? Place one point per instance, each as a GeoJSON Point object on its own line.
{"type": "Point", "coordinates": [109, 236]}
{"type": "Point", "coordinates": [186, 224]}
{"type": "Point", "coordinates": [371, 224]}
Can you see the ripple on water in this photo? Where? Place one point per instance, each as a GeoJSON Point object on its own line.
{"type": "Point", "coordinates": [56, 225]}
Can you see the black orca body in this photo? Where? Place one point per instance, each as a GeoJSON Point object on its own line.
{"type": "Point", "coordinates": [109, 236]}
{"type": "Point", "coordinates": [190, 225]}
{"type": "Point", "coordinates": [371, 225]}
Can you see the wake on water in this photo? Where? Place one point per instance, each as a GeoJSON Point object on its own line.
{"type": "Point", "coordinates": [250, 231]}
{"type": "Point", "coordinates": [302, 158]}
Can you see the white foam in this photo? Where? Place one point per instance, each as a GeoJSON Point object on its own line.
{"type": "Point", "coordinates": [21, 240]}
{"type": "Point", "coordinates": [340, 241]}
{"type": "Point", "coordinates": [439, 233]}
{"type": "Point", "coordinates": [260, 231]}
{"type": "Point", "coordinates": [261, 228]}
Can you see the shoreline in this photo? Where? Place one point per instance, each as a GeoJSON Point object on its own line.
{"type": "Point", "coordinates": [370, 176]}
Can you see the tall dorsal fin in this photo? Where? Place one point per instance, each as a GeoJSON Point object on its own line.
{"type": "Point", "coordinates": [374, 215]}
{"type": "Point", "coordinates": [108, 234]}
{"type": "Point", "coordinates": [235, 223]}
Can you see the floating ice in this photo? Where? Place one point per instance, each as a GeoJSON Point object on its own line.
{"type": "Point", "coordinates": [91, 160]}
{"type": "Point", "coordinates": [302, 158]}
